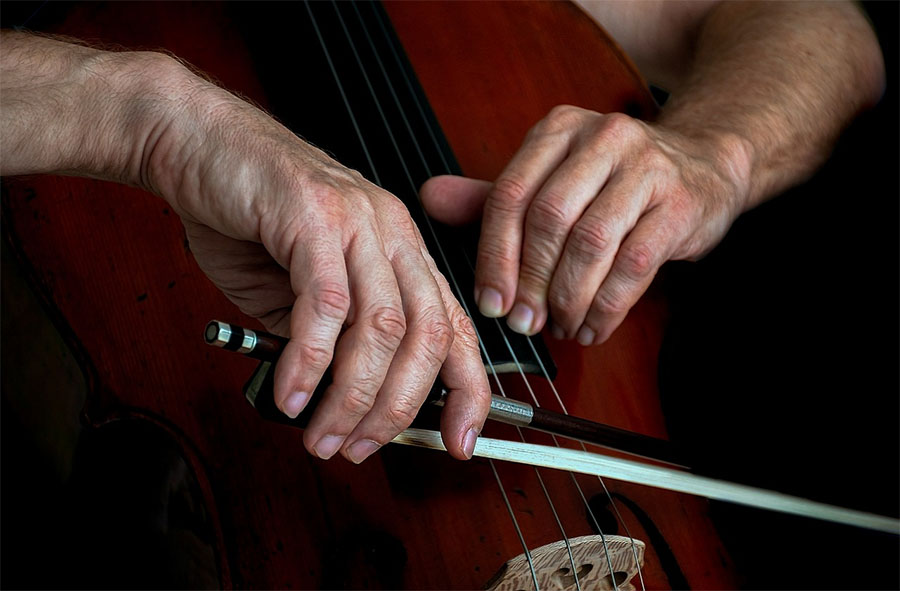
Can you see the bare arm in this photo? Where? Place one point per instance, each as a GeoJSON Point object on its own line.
{"type": "Point", "coordinates": [309, 247]}
{"type": "Point", "coordinates": [591, 206]}
{"type": "Point", "coordinates": [785, 77]}
{"type": "Point", "coordinates": [53, 93]}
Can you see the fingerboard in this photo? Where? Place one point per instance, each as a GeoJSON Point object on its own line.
{"type": "Point", "coordinates": [336, 75]}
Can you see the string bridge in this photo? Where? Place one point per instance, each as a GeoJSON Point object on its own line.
{"type": "Point", "coordinates": [600, 562]}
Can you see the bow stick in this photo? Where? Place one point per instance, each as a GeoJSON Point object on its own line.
{"type": "Point", "coordinates": [267, 347]}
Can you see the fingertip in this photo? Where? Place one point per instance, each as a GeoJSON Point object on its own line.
{"type": "Point", "coordinates": [454, 199]}
{"type": "Point", "coordinates": [327, 446]}
{"type": "Point", "coordinates": [462, 422]}
{"type": "Point", "coordinates": [490, 302]}
{"type": "Point", "coordinates": [294, 404]}
{"type": "Point", "coordinates": [521, 319]}
{"type": "Point", "coordinates": [288, 389]}
{"type": "Point", "coordinates": [360, 450]}
{"type": "Point", "coordinates": [586, 336]}
{"type": "Point", "coordinates": [468, 445]}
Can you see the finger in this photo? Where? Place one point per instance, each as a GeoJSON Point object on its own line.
{"type": "Point", "coordinates": [641, 255]}
{"type": "Point", "coordinates": [365, 350]}
{"type": "Point", "coordinates": [468, 393]}
{"type": "Point", "coordinates": [500, 244]}
{"type": "Point", "coordinates": [591, 249]}
{"type": "Point", "coordinates": [319, 278]}
{"type": "Point", "coordinates": [555, 210]}
{"type": "Point", "coordinates": [469, 396]}
{"type": "Point", "coordinates": [416, 362]}
{"type": "Point", "coordinates": [454, 200]}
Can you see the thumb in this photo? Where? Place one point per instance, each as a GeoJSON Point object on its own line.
{"type": "Point", "coordinates": [454, 200]}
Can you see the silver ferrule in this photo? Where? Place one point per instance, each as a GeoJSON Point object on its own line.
{"type": "Point", "coordinates": [249, 341]}
{"type": "Point", "coordinates": [511, 412]}
{"type": "Point", "coordinates": [218, 333]}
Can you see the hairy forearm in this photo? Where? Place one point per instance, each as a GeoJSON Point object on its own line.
{"type": "Point", "coordinates": [71, 109]}
{"type": "Point", "coordinates": [776, 83]}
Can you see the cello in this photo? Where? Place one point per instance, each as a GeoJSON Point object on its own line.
{"type": "Point", "coordinates": [373, 525]}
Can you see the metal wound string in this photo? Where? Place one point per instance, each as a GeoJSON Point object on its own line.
{"type": "Point", "coordinates": [506, 340]}
{"type": "Point", "coordinates": [390, 133]}
{"type": "Point", "coordinates": [603, 484]}
{"type": "Point", "coordinates": [456, 286]}
{"type": "Point", "coordinates": [377, 180]}
{"type": "Point", "coordinates": [502, 333]}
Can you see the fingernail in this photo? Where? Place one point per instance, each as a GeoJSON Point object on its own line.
{"type": "Point", "coordinates": [490, 303]}
{"type": "Point", "coordinates": [557, 331]}
{"type": "Point", "coordinates": [521, 318]}
{"type": "Point", "coordinates": [295, 403]}
{"type": "Point", "coordinates": [361, 450]}
{"type": "Point", "coordinates": [586, 336]}
{"type": "Point", "coordinates": [328, 446]}
{"type": "Point", "coordinates": [469, 442]}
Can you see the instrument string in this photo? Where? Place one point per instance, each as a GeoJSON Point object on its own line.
{"type": "Point", "coordinates": [511, 350]}
{"type": "Point", "coordinates": [557, 444]}
{"type": "Point", "coordinates": [403, 164]}
{"type": "Point", "coordinates": [377, 180]}
{"type": "Point", "coordinates": [429, 173]}
{"type": "Point", "coordinates": [602, 483]}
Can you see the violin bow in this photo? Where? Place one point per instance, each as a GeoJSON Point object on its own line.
{"type": "Point", "coordinates": [595, 464]}
{"type": "Point", "coordinates": [267, 347]}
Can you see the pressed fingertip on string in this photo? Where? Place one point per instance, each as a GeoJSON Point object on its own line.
{"type": "Point", "coordinates": [490, 302]}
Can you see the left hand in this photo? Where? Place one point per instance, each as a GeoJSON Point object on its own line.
{"type": "Point", "coordinates": [587, 211]}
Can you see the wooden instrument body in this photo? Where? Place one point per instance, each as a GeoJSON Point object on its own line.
{"type": "Point", "coordinates": [115, 269]}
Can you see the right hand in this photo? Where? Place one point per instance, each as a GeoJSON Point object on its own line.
{"type": "Point", "coordinates": [321, 255]}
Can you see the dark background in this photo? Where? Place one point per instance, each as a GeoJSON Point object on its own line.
{"type": "Point", "coordinates": [779, 369]}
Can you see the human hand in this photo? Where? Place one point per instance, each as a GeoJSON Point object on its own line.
{"type": "Point", "coordinates": [319, 254]}
{"type": "Point", "coordinates": [586, 212]}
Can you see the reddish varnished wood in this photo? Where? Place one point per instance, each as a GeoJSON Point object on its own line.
{"type": "Point", "coordinates": [114, 263]}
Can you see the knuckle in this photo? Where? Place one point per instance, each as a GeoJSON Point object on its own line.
{"type": "Point", "coordinates": [437, 337]}
{"type": "Point", "coordinates": [622, 127]}
{"type": "Point", "coordinates": [637, 260]}
{"type": "Point", "coordinates": [562, 302]}
{"type": "Point", "coordinates": [401, 413]}
{"type": "Point", "coordinates": [331, 300]}
{"type": "Point", "coordinates": [315, 355]}
{"type": "Point", "coordinates": [560, 117]}
{"type": "Point", "coordinates": [609, 302]}
{"type": "Point", "coordinates": [388, 327]}
{"type": "Point", "coordinates": [591, 238]}
{"type": "Point", "coordinates": [357, 401]}
{"type": "Point", "coordinates": [534, 274]}
{"type": "Point", "coordinates": [547, 217]}
{"type": "Point", "coordinates": [508, 194]}
{"type": "Point", "coordinates": [496, 254]}
{"type": "Point", "coordinates": [463, 330]}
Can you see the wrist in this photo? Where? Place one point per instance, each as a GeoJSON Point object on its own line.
{"type": "Point", "coordinates": [733, 158]}
{"type": "Point", "coordinates": [728, 156]}
{"type": "Point", "coordinates": [147, 99]}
